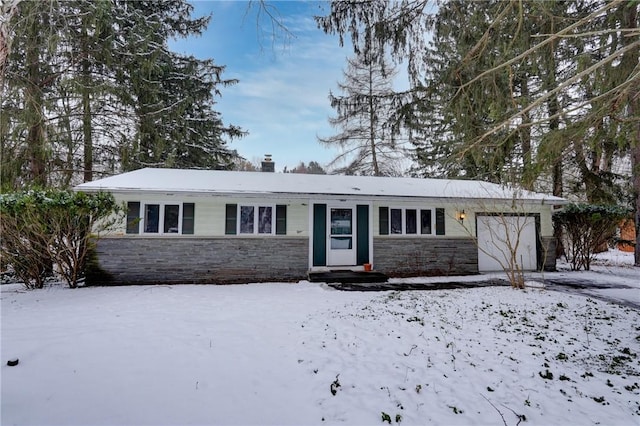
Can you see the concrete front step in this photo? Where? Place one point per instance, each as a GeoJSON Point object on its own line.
{"type": "Point", "coordinates": [342, 276]}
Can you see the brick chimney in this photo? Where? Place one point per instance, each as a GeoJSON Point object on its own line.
{"type": "Point", "coordinates": [267, 164]}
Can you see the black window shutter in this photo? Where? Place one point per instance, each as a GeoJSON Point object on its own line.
{"type": "Point", "coordinates": [133, 217]}
{"type": "Point", "coordinates": [384, 220]}
{"type": "Point", "coordinates": [281, 219]}
{"type": "Point", "coordinates": [231, 219]}
{"type": "Point", "coordinates": [319, 235]}
{"type": "Point", "coordinates": [440, 221]}
{"type": "Point", "coordinates": [362, 240]}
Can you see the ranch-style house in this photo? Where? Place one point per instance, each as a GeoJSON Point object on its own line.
{"type": "Point", "coordinates": [206, 226]}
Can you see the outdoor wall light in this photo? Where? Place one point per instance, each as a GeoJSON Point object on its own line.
{"type": "Point", "coordinates": [462, 216]}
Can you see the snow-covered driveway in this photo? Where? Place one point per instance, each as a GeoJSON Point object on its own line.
{"type": "Point", "coordinates": [611, 278]}
{"type": "Point", "coordinates": [621, 290]}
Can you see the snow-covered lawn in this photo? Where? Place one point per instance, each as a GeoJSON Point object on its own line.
{"type": "Point", "coordinates": [306, 354]}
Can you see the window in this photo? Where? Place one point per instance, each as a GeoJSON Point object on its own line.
{"type": "Point", "coordinates": [411, 221]}
{"type": "Point", "coordinates": [188, 218]}
{"type": "Point", "coordinates": [396, 221]}
{"type": "Point", "coordinates": [341, 221]}
{"type": "Point", "coordinates": [171, 215]}
{"type": "Point", "coordinates": [250, 220]}
{"type": "Point", "coordinates": [246, 219]}
{"type": "Point", "coordinates": [250, 223]}
{"type": "Point", "coordinates": [160, 218]}
{"type": "Point", "coordinates": [341, 229]}
{"type": "Point", "coordinates": [404, 221]}
{"type": "Point", "coordinates": [151, 217]}
{"type": "Point", "coordinates": [265, 219]}
{"type": "Point", "coordinates": [425, 221]}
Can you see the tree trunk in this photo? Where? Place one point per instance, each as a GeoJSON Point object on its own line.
{"type": "Point", "coordinates": [66, 125]}
{"type": "Point", "coordinates": [86, 106]}
{"type": "Point", "coordinates": [36, 153]}
{"type": "Point", "coordinates": [634, 112]}
{"type": "Point", "coordinates": [554, 124]}
{"type": "Point", "coordinates": [525, 140]}
{"type": "Point", "coordinates": [86, 127]}
{"type": "Point", "coordinates": [372, 122]}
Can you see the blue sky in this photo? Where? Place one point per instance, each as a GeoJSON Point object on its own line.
{"type": "Point", "coordinates": [282, 96]}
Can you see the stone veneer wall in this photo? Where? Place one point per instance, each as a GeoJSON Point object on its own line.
{"type": "Point", "coordinates": [437, 256]}
{"type": "Point", "coordinates": [199, 260]}
{"type": "Point", "coordinates": [425, 256]}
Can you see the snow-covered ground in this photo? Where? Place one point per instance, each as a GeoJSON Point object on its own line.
{"type": "Point", "coordinates": [306, 354]}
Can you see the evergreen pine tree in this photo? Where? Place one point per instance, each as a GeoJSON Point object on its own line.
{"type": "Point", "coordinates": [91, 87]}
{"type": "Point", "coordinates": [367, 138]}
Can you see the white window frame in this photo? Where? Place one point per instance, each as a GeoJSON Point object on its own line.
{"type": "Point", "coordinates": [403, 216]}
{"type": "Point", "coordinates": [256, 219]}
{"type": "Point", "coordinates": [162, 204]}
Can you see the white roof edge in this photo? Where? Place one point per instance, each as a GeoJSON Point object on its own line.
{"type": "Point", "coordinates": [282, 195]}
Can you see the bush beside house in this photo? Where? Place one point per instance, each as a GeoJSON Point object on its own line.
{"type": "Point", "coordinates": [45, 231]}
{"type": "Point", "coordinates": [587, 227]}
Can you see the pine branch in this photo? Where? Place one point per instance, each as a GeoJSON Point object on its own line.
{"type": "Point", "coordinates": [538, 46]}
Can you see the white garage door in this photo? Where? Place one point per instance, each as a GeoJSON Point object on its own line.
{"type": "Point", "coordinates": [497, 234]}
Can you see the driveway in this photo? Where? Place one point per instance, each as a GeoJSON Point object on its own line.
{"type": "Point", "coordinates": [622, 290]}
{"type": "Point", "coordinates": [620, 286]}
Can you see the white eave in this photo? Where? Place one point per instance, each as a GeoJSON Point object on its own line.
{"type": "Point", "coordinates": [281, 185]}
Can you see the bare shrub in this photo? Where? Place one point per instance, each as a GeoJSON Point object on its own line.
{"type": "Point", "coordinates": [46, 229]}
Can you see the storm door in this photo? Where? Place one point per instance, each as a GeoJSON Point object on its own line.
{"type": "Point", "coordinates": [341, 243]}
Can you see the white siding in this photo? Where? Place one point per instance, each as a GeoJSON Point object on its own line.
{"type": "Point", "coordinates": [210, 212]}
{"type": "Point", "coordinates": [454, 227]}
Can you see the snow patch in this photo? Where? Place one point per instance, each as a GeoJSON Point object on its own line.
{"type": "Point", "coordinates": [279, 354]}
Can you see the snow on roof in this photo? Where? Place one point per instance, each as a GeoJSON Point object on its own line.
{"type": "Point", "coordinates": [261, 183]}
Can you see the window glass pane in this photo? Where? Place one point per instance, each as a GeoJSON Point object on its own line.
{"type": "Point", "coordinates": [133, 217]}
{"type": "Point", "coordinates": [425, 221]}
{"type": "Point", "coordinates": [341, 220]}
{"type": "Point", "coordinates": [412, 221]}
{"type": "Point", "coordinates": [171, 212]}
{"type": "Point", "coordinates": [188, 216]}
{"type": "Point", "coordinates": [246, 219]}
{"type": "Point", "coordinates": [151, 217]}
{"type": "Point", "coordinates": [264, 220]}
{"type": "Point", "coordinates": [341, 243]}
{"type": "Point", "coordinates": [396, 221]}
